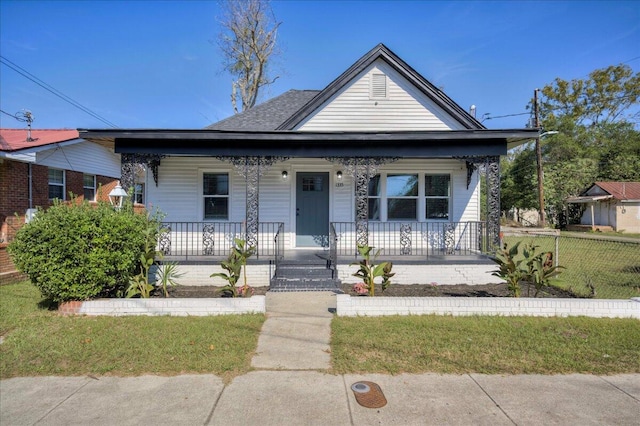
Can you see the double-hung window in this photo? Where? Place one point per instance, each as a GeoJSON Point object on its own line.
{"type": "Point", "coordinates": [138, 193]}
{"type": "Point", "coordinates": [402, 197]}
{"type": "Point", "coordinates": [437, 190]}
{"type": "Point", "coordinates": [215, 191]}
{"type": "Point", "coordinates": [56, 184]}
{"type": "Point", "coordinates": [89, 187]}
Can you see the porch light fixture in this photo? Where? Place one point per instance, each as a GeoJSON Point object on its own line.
{"type": "Point", "coordinates": [285, 175]}
{"type": "Point", "coordinates": [339, 174]}
{"type": "Point", "coordinates": [117, 196]}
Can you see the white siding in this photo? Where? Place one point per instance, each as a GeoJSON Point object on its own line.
{"type": "Point", "coordinates": [179, 191]}
{"type": "Point", "coordinates": [85, 157]}
{"type": "Point", "coordinates": [353, 108]}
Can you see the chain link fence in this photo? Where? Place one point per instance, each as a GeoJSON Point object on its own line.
{"type": "Point", "coordinates": [596, 266]}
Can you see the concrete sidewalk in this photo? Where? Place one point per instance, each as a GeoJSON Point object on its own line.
{"type": "Point", "coordinates": [316, 398]}
{"type": "Point", "coordinates": [291, 386]}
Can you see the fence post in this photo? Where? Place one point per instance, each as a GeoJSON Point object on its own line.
{"type": "Point", "coordinates": [557, 238]}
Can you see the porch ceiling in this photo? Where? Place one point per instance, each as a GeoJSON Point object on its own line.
{"type": "Point", "coordinates": [417, 144]}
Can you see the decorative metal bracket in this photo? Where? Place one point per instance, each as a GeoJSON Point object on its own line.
{"type": "Point", "coordinates": [132, 164]}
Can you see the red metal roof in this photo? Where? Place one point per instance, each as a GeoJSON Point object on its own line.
{"type": "Point", "coordinates": [621, 190]}
{"type": "Point", "coordinates": [16, 139]}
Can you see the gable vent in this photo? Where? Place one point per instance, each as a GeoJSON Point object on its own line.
{"type": "Point", "coordinates": [378, 86]}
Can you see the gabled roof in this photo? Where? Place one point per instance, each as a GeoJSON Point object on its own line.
{"type": "Point", "coordinates": [269, 115]}
{"type": "Point", "coordinates": [622, 191]}
{"type": "Point", "coordinates": [12, 140]}
{"type": "Point", "coordinates": [384, 53]}
{"type": "Point", "coordinates": [601, 191]}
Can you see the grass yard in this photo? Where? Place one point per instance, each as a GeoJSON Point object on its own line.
{"type": "Point", "coordinates": [485, 344]}
{"type": "Point", "coordinates": [610, 268]}
{"type": "Point", "coordinates": [39, 342]}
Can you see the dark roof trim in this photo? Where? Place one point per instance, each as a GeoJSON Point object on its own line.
{"type": "Point", "coordinates": [383, 52]}
{"type": "Point", "coordinates": [420, 144]}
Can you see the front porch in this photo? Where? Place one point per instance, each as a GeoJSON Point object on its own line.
{"type": "Point", "coordinates": [422, 253]}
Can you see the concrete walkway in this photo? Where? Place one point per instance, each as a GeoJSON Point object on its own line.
{"type": "Point", "coordinates": [292, 387]}
{"type": "Point", "coordinates": [297, 331]}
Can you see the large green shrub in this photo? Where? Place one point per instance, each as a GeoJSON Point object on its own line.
{"type": "Point", "coordinates": [78, 251]}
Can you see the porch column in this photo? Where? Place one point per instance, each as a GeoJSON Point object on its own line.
{"type": "Point", "coordinates": [492, 168]}
{"type": "Point", "coordinates": [127, 171]}
{"type": "Point", "coordinates": [363, 169]}
{"type": "Point", "coordinates": [361, 178]}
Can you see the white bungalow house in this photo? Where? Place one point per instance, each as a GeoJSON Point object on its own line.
{"type": "Point", "coordinates": [612, 206]}
{"type": "Point", "coordinates": [379, 157]}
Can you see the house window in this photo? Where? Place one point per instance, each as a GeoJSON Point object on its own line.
{"type": "Point", "coordinates": [375, 192]}
{"type": "Point", "coordinates": [437, 193]}
{"type": "Point", "coordinates": [89, 186]}
{"type": "Point", "coordinates": [56, 184]}
{"type": "Point", "coordinates": [138, 193]}
{"type": "Point", "coordinates": [215, 190]}
{"type": "Point", "coordinates": [402, 196]}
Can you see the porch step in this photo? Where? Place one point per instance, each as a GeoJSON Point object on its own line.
{"type": "Point", "coordinates": [304, 276]}
{"type": "Point", "coordinates": [283, 284]}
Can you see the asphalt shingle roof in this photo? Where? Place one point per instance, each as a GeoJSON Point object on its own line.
{"type": "Point", "coordinates": [268, 115]}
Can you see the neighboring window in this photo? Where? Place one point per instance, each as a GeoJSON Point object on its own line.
{"type": "Point", "coordinates": [378, 86]}
{"type": "Point", "coordinates": [56, 184]}
{"type": "Point", "coordinates": [402, 196]}
{"type": "Point", "coordinates": [215, 190]}
{"type": "Point", "coordinates": [89, 185]}
{"type": "Point", "coordinates": [138, 193]}
{"type": "Point", "coordinates": [437, 193]}
{"type": "Point", "coordinates": [375, 191]}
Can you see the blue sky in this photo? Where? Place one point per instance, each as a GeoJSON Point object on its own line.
{"type": "Point", "coordinates": [152, 64]}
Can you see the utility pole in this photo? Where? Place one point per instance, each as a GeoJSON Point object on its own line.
{"type": "Point", "coordinates": [541, 215]}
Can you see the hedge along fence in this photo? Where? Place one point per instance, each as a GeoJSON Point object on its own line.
{"type": "Point", "coordinates": [596, 267]}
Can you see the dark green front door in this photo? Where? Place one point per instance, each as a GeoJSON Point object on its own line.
{"type": "Point", "coordinates": [312, 209]}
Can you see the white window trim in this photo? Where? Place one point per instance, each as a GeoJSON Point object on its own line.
{"type": "Point", "coordinates": [64, 183]}
{"type": "Point", "coordinates": [143, 192]}
{"type": "Point", "coordinates": [421, 204]}
{"type": "Point", "coordinates": [202, 196]}
{"type": "Point", "coordinates": [95, 192]}
{"type": "Point", "coordinates": [449, 197]}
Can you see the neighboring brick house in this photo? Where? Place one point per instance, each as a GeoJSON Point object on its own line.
{"type": "Point", "coordinates": [39, 165]}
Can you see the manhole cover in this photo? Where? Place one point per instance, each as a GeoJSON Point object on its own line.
{"type": "Point", "coordinates": [369, 394]}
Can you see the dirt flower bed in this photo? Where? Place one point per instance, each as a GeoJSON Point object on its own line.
{"type": "Point", "coordinates": [409, 290]}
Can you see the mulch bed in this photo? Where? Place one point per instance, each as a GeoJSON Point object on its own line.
{"type": "Point", "coordinates": [397, 290]}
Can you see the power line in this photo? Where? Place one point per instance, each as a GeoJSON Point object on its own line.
{"type": "Point", "coordinates": [53, 90]}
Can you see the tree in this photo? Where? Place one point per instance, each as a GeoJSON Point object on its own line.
{"type": "Point", "coordinates": [597, 138]}
{"type": "Point", "coordinates": [248, 44]}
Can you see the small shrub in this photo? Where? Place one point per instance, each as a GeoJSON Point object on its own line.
{"type": "Point", "coordinates": [77, 251]}
{"type": "Point", "coordinates": [369, 271]}
{"type": "Point", "coordinates": [525, 268]}
{"type": "Point", "coordinates": [234, 265]}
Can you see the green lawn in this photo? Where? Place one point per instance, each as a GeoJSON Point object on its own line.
{"type": "Point", "coordinates": [39, 342]}
{"type": "Point", "coordinates": [485, 344]}
{"type": "Point", "coordinates": [610, 268]}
